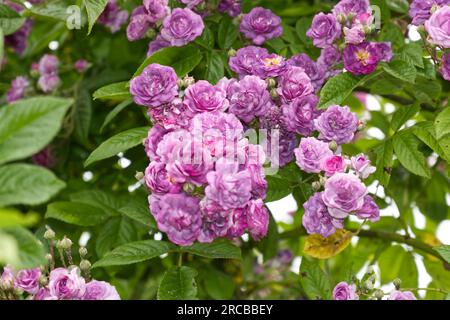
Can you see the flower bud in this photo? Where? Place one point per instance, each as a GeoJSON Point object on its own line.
{"type": "Point", "coordinates": [316, 185]}
{"type": "Point", "coordinates": [85, 265]}
{"type": "Point", "coordinates": [271, 83]}
{"type": "Point", "coordinates": [188, 188]}
{"type": "Point", "coordinates": [49, 234]}
{"type": "Point", "coordinates": [83, 252]}
{"type": "Point", "coordinates": [397, 283]}
{"type": "Point", "coordinates": [274, 93]}
{"type": "Point", "coordinates": [151, 33]}
{"type": "Point", "coordinates": [6, 285]}
{"type": "Point", "coordinates": [322, 180]}
{"type": "Point", "coordinates": [43, 281]}
{"type": "Point", "coordinates": [188, 81]}
{"type": "Point", "coordinates": [368, 284]}
{"type": "Point", "coordinates": [48, 257]}
{"type": "Point", "coordinates": [139, 175]}
{"type": "Point", "coordinates": [333, 146]}
{"type": "Point", "coordinates": [65, 243]}
{"type": "Point", "coordinates": [379, 294]}
{"type": "Point", "coordinates": [231, 52]}
{"type": "Point", "coordinates": [361, 125]}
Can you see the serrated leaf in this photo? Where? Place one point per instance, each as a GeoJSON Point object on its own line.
{"type": "Point", "coordinates": [27, 184]}
{"type": "Point", "coordinates": [76, 213]}
{"type": "Point", "coordinates": [277, 188]}
{"type": "Point", "coordinates": [406, 149]}
{"type": "Point", "coordinates": [10, 20]}
{"type": "Point", "coordinates": [444, 251]}
{"type": "Point", "coordinates": [182, 59]}
{"type": "Point", "coordinates": [178, 283]}
{"type": "Point", "coordinates": [107, 202]}
{"type": "Point", "coordinates": [134, 252]}
{"type": "Point", "coordinates": [115, 91]}
{"type": "Point", "coordinates": [227, 33]}
{"type": "Point", "coordinates": [115, 232]}
{"type": "Point", "coordinates": [319, 247]}
{"type": "Point", "coordinates": [118, 143]}
{"type": "Point", "coordinates": [314, 281]}
{"type": "Point", "coordinates": [215, 68]}
{"type": "Point", "coordinates": [442, 123]}
{"type": "Point", "coordinates": [403, 114]}
{"type": "Point", "coordinates": [385, 153]}
{"type": "Point", "coordinates": [138, 211]}
{"type": "Point", "coordinates": [413, 52]}
{"type": "Point", "coordinates": [94, 9]}
{"type": "Point", "coordinates": [425, 131]}
{"type": "Point", "coordinates": [29, 125]}
{"type": "Point", "coordinates": [219, 249]}
{"type": "Point", "coordinates": [402, 70]}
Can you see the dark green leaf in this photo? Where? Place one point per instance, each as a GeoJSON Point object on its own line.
{"type": "Point", "coordinates": [178, 283]}
{"type": "Point", "coordinates": [219, 285]}
{"type": "Point", "coordinates": [385, 153]}
{"type": "Point", "coordinates": [219, 249]}
{"type": "Point", "coordinates": [228, 33]}
{"type": "Point", "coordinates": [115, 91]}
{"type": "Point", "coordinates": [115, 232]}
{"type": "Point", "coordinates": [402, 70]}
{"type": "Point", "coordinates": [76, 213]}
{"type": "Point", "coordinates": [114, 112]}
{"type": "Point", "coordinates": [394, 263]}
{"type": "Point", "coordinates": [314, 281]}
{"type": "Point", "coordinates": [214, 67]}
{"type": "Point", "coordinates": [277, 188]}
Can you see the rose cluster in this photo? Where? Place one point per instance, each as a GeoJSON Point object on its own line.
{"type": "Point", "coordinates": [350, 25]}
{"type": "Point", "coordinates": [435, 16]}
{"type": "Point", "coordinates": [206, 179]}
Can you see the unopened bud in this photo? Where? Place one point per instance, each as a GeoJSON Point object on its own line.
{"type": "Point", "coordinates": [139, 176]}
{"type": "Point", "coordinates": [6, 284]}
{"type": "Point", "coordinates": [180, 83]}
{"type": "Point", "coordinates": [333, 146]}
{"type": "Point", "coordinates": [368, 284]}
{"type": "Point", "coordinates": [151, 33]}
{"type": "Point", "coordinates": [397, 283]}
{"type": "Point", "coordinates": [316, 185]}
{"type": "Point", "coordinates": [271, 83]}
{"type": "Point", "coordinates": [43, 281]}
{"type": "Point", "coordinates": [188, 81]}
{"type": "Point", "coordinates": [322, 180]}
{"type": "Point", "coordinates": [49, 234]}
{"type": "Point", "coordinates": [274, 93]}
{"type": "Point", "coordinates": [361, 125]}
{"type": "Point", "coordinates": [48, 257]}
{"type": "Point", "coordinates": [85, 265]}
{"type": "Point", "coordinates": [188, 188]}
{"type": "Point", "coordinates": [379, 294]}
{"type": "Point", "coordinates": [65, 243]}
{"type": "Point", "coordinates": [231, 52]}
{"type": "Point", "coordinates": [83, 252]}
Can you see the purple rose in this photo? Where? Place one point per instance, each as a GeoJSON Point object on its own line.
{"type": "Point", "coordinates": [178, 215]}
{"type": "Point", "coordinates": [445, 69]}
{"type": "Point", "coordinates": [239, 223]}
{"type": "Point", "coordinates": [100, 290]}
{"type": "Point", "coordinates": [43, 294]}
{"type": "Point", "coordinates": [354, 35]}
{"type": "Point", "coordinates": [384, 51]}
{"type": "Point", "coordinates": [158, 181]}
{"type": "Point", "coordinates": [361, 165]}
{"type": "Point", "coordinates": [315, 71]}
{"type": "Point", "coordinates": [325, 29]}
{"type": "Point", "coordinates": [231, 7]}
{"type": "Point", "coordinates": [139, 24]}
{"type": "Point", "coordinates": [294, 83]}
{"type": "Point", "coordinates": [280, 146]}
{"type": "Point", "coordinates": [246, 59]}
{"type": "Point", "coordinates": [17, 90]}
{"type": "Point", "coordinates": [66, 284]}
{"type": "Point", "coordinates": [182, 26]}
{"type": "Point", "coordinates": [28, 280]}
{"type": "Point", "coordinates": [438, 27]}
{"type": "Point", "coordinates": [260, 25]}
{"type": "Point", "coordinates": [337, 124]}
{"type": "Point", "coordinates": [81, 65]}
{"type": "Point", "coordinates": [155, 135]}
{"type": "Point", "coordinates": [362, 58]}
{"type": "Point", "coordinates": [402, 295]}
{"type": "Point", "coordinates": [249, 98]}
{"type": "Point", "coordinates": [369, 210]}
{"type": "Point", "coordinates": [310, 154]}
{"type": "Point", "coordinates": [257, 219]}
{"type": "Point", "coordinates": [172, 116]}
{"type": "Point", "coordinates": [18, 40]}
{"type": "Point", "coordinates": [157, 44]}
{"type": "Point", "coordinates": [156, 9]}
{"type": "Point", "coordinates": [203, 96]}
{"type": "Point", "coordinates": [228, 186]}
{"type": "Point", "coordinates": [259, 183]}
{"type": "Point", "coordinates": [48, 64]}
{"type": "Point", "coordinates": [333, 164]}
{"type": "Point", "coordinates": [113, 17]}
{"type": "Point", "coordinates": [300, 113]}
{"type": "Point", "coordinates": [347, 8]}
{"type": "Point", "coordinates": [155, 86]}
{"type": "Point", "coordinates": [49, 82]}
{"type": "Point", "coordinates": [344, 194]}
{"type": "Point", "coordinates": [420, 10]}
{"type": "Point", "coordinates": [216, 221]}
{"type": "Point", "coordinates": [8, 275]}
{"type": "Point", "coordinates": [270, 66]}
{"type": "Point", "coordinates": [317, 220]}
{"type": "Point", "coordinates": [329, 56]}
{"type": "Point", "coordinates": [344, 291]}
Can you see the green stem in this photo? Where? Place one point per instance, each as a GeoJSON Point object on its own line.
{"type": "Point", "coordinates": [180, 259]}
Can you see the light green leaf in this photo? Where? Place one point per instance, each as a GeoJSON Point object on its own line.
{"type": "Point", "coordinates": [314, 281]}
{"type": "Point", "coordinates": [134, 252]}
{"type": "Point", "coordinates": [400, 6]}
{"type": "Point", "coordinates": [227, 33]}
{"type": "Point", "coordinates": [178, 283]}
{"type": "Point", "coordinates": [2, 44]}
{"type": "Point", "coordinates": [76, 213]}
{"type": "Point", "coordinates": [403, 114]}
{"type": "Point", "coordinates": [115, 91]}
{"type": "Point", "coordinates": [29, 125]}
{"type": "Point", "coordinates": [442, 123]}
{"type": "Point", "coordinates": [402, 70]}
{"type": "Point", "coordinates": [113, 113]}
{"type": "Point", "coordinates": [27, 184]}
{"type": "Point", "coordinates": [182, 59]}
{"type": "Point", "coordinates": [219, 285]}
{"type": "Point", "coordinates": [30, 250]}
{"type": "Point", "coordinates": [10, 20]}
{"type": "Point", "coordinates": [107, 202]}
{"type": "Point", "coordinates": [406, 148]}
{"type": "Point", "coordinates": [219, 249]}
{"type": "Point", "coordinates": [94, 9]}
{"type": "Point", "coordinates": [394, 263]}
{"type": "Point", "coordinates": [10, 217]}
{"type": "Point", "coordinates": [425, 131]}
{"type": "Point", "coordinates": [385, 153]}
{"type": "Point", "coordinates": [55, 9]}
{"type": "Point", "coordinates": [444, 251]}
{"type": "Point", "coordinates": [118, 143]}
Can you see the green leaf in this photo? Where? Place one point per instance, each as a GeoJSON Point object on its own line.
{"type": "Point", "coordinates": [400, 6]}
{"type": "Point", "coordinates": [94, 9]}
{"type": "Point", "coordinates": [228, 33]}
{"type": "Point", "coordinates": [215, 68]}
{"type": "Point", "coordinates": [277, 188]}
{"type": "Point", "coordinates": [55, 9]}
{"type": "Point", "coordinates": [10, 20]}
{"type": "Point", "coordinates": [338, 88]}
{"type": "Point", "coordinates": [219, 285]}
{"type": "Point", "coordinates": [182, 59]}
{"type": "Point", "coordinates": [406, 148]}
{"type": "Point", "coordinates": [412, 52]}
{"type": "Point", "coordinates": [139, 211]}
{"type": "Point", "coordinates": [403, 114]}
{"type": "Point", "coordinates": [107, 202]}
{"type": "Point", "coordinates": [29, 125]}
{"type": "Point", "coordinates": [402, 70]}
{"type": "Point", "coordinates": [444, 251]}
{"type": "Point", "coordinates": [385, 153]}
{"type": "Point", "coordinates": [30, 250]}
{"type": "Point", "coordinates": [394, 263]}
{"type": "Point", "coordinates": [76, 213]}
{"type": "Point", "coordinates": [2, 44]}
{"type": "Point", "coordinates": [301, 27]}
{"type": "Point", "coordinates": [432, 202]}
{"type": "Point", "coordinates": [114, 112]}
{"type": "Point", "coordinates": [314, 281]}
{"type": "Point", "coordinates": [115, 91]}
{"type": "Point", "coordinates": [178, 283]}
{"type": "Point", "coordinates": [82, 117]}
{"type": "Point", "coordinates": [115, 232]}
{"type": "Point", "coordinates": [10, 217]}
{"type": "Point", "coordinates": [269, 244]}
{"type": "Point", "coordinates": [118, 143]}
{"type": "Point", "coordinates": [442, 123]}
{"type": "Point", "coordinates": [134, 252]}
{"type": "Point", "coordinates": [206, 40]}
{"type": "Point", "coordinates": [27, 184]}
{"type": "Point", "coordinates": [425, 131]}
{"type": "Point", "coordinates": [219, 249]}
